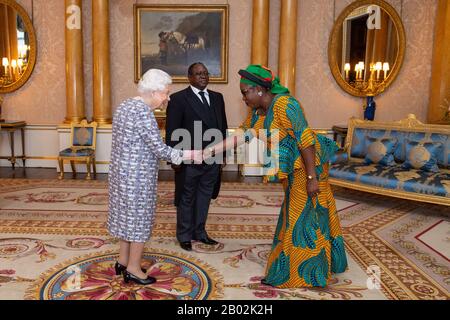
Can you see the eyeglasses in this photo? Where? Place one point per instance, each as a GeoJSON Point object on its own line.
{"type": "Point", "coordinates": [204, 73]}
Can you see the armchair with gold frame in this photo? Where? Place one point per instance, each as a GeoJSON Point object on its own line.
{"type": "Point", "coordinates": [83, 139]}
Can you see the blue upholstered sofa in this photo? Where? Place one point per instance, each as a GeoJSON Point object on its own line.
{"type": "Point", "coordinates": [405, 159]}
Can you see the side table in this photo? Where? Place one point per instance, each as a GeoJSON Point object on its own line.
{"type": "Point", "coordinates": [340, 130]}
{"type": "Point", "coordinates": [12, 126]}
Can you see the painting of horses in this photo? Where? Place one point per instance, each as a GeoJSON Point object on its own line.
{"type": "Point", "coordinates": [171, 37]}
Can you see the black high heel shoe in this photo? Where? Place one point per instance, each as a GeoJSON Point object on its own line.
{"type": "Point", "coordinates": [127, 277]}
{"type": "Point", "coordinates": [264, 282]}
{"type": "Point", "coordinates": [121, 268]}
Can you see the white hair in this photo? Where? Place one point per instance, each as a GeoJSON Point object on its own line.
{"type": "Point", "coordinates": [153, 80]}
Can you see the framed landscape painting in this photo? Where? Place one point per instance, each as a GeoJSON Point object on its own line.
{"type": "Point", "coordinates": [171, 37]}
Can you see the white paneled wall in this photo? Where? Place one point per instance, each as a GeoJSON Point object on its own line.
{"type": "Point", "coordinates": [41, 146]}
{"type": "Point", "coordinates": [43, 143]}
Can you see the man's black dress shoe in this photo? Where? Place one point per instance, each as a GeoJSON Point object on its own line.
{"type": "Point", "coordinates": [120, 268]}
{"type": "Point", "coordinates": [127, 277]}
{"type": "Point", "coordinates": [186, 245]}
{"type": "Point", "coordinates": [208, 240]}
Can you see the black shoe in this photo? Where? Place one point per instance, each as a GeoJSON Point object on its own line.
{"type": "Point", "coordinates": [208, 240]}
{"type": "Point", "coordinates": [127, 277]}
{"type": "Point", "coordinates": [186, 245]}
{"type": "Point", "coordinates": [120, 268]}
{"type": "Point", "coordinates": [264, 282]}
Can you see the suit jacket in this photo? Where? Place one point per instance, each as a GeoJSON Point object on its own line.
{"type": "Point", "coordinates": [183, 110]}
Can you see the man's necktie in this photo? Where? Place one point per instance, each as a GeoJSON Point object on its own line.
{"type": "Point", "coordinates": [202, 95]}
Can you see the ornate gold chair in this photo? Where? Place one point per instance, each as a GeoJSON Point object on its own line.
{"type": "Point", "coordinates": [82, 138]}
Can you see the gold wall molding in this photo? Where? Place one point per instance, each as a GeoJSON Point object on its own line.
{"type": "Point", "coordinates": [106, 128]}
{"type": "Point", "coordinates": [41, 158]}
{"type": "Point", "coordinates": [52, 128]}
{"type": "Point", "coordinates": [56, 158]}
{"type": "Point", "coordinates": [100, 129]}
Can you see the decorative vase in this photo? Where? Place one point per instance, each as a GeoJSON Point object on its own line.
{"type": "Point", "coordinates": [369, 109]}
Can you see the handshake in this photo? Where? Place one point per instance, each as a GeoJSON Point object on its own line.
{"type": "Point", "coordinates": [198, 156]}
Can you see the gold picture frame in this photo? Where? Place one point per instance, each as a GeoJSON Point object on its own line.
{"type": "Point", "coordinates": [171, 37]}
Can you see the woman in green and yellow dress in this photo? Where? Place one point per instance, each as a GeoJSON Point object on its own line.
{"type": "Point", "coordinates": [308, 245]}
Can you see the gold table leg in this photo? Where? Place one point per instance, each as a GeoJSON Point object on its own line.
{"type": "Point", "coordinates": [61, 168]}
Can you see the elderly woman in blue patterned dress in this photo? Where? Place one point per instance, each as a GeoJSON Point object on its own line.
{"type": "Point", "coordinates": [136, 150]}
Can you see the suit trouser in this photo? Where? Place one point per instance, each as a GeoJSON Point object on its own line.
{"type": "Point", "coordinates": [192, 210]}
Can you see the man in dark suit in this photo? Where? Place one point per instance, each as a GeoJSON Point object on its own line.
{"type": "Point", "coordinates": [195, 109]}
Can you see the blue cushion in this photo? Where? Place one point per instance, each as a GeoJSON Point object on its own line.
{"type": "Point", "coordinates": [339, 157]}
{"type": "Point", "coordinates": [359, 142]}
{"type": "Point", "coordinates": [442, 157]}
{"type": "Point", "coordinates": [79, 153]}
{"type": "Point", "coordinates": [83, 136]}
{"type": "Point", "coordinates": [380, 151]}
{"type": "Point", "coordinates": [358, 149]}
{"type": "Point", "coordinates": [399, 152]}
{"type": "Point", "coordinates": [422, 155]}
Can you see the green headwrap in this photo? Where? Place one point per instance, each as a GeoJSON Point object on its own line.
{"type": "Point", "coordinates": [262, 77]}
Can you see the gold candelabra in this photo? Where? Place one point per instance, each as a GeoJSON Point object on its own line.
{"type": "Point", "coordinates": [12, 69]}
{"type": "Point", "coordinates": [373, 85]}
{"type": "Point", "coordinates": [370, 87]}
{"type": "Point", "coordinates": [5, 80]}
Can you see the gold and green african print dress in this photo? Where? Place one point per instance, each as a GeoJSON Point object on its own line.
{"type": "Point", "coordinates": [308, 245]}
{"type": "Point", "coordinates": [253, 121]}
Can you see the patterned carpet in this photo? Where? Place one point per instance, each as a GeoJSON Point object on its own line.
{"type": "Point", "coordinates": [54, 245]}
